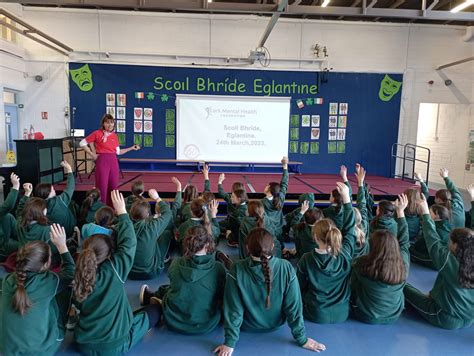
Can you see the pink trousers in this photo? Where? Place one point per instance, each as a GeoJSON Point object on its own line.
{"type": "Point", "coordinates": [106, 175]}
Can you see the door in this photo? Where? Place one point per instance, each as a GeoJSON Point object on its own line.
{"type": "Point", "coordinates": [11, 127]}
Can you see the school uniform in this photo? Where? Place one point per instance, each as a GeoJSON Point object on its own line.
{"type": "Point", "coordinates": [294, 214]}
{"type": "Point", "coordinates": [458, 216]}
{"type": "Point", "coordinates": [149, 258]}
{"type": "Point", "coordinates": [303, 236]}
{"type": "Point", "coordinates": [384, 223]}
{"type": "Point", "coordinates": [235, 213]}
{"type": "Point", "coordinates": [129, 201]}
{"type": "Point", "coordinates": [248, 224]}
{"type": "Point", "coordinates": [38, 232]}
{"type": "Point", "coordinates": [90, 217]}
{"type": "Point", "coordinates": [107, 325]}
{"type": "Point", "coordinates": [414, 227]}
{"type": "Point", "coordinates": [184, 227]}
{"type": "Point", "coordinates": [41, 330]}
{"type": "Point", "coordinates": [335, 213]}
{"type": "Point", "coordinates": [198, 277]}
{"type": "Point", "coordinates": [448, 305]}
{"type": "Point", "coordinates": [244, 300]}
{"type": "Point", "coordinates": [375, 302]}
{"type": "Point", "coordinates": [276, 215]}
{"type": "Point", "coordinates": [58, 207]}
{"type": "Point", "coordinates": [324, 279]}
{"type": "Point", "coordinates": [8, 241]}
{"type": "Point", "coordinates": [419, 252]}
{"type": "Point", "coordinates": [362, 205]}
{"type": "Point", "coordinates": [185, 213]}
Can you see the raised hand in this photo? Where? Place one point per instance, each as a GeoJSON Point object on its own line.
{"type": "Point", "coordinates": [418, 177]}
{"type": "Point", "coordinates": [284, 161]}
{"type": "Point", "coordinates": [28, 188]}
{"type": "Point", "coordinates": [58, 237]}
{"type": "Point", "coordinates": [400, 204]}
{"type": "Point", "coordinates": [153, 194]}
{"type": "Point", "coordinates": [205, 171]}
{"type": "Point", "coordinates": [360, 174]}
{"type": "Point", "coordinates": [343, 173]}
{"type": "Point", "coordinates": [444, 173]}
{"type": "Point", "coordinates": [177, 183]}
{"type": "Point", "coordinates": [422, 206]}
{"type": "Point", "coordinates": [344, 192]}
{"type": "Point", "coordinates": [213, 205]}
{"type": "Point", "coordinates": [15, 181]}
{"type": "Point", "coordinates": [66, 166]}
{"type": "Point", "coordinates": [470, 190]}
{"type": "Point", "coordinates": [118, 202]}
{"type": "Point", "coordinates": [304, 207]}
{"type": "Point", "coordinates": [221, 178]}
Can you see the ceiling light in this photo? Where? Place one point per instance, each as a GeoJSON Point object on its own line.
{"type": "Point", "coordinates": [325, 3]}
{"type": "Point", "coordinates": [462, 6]}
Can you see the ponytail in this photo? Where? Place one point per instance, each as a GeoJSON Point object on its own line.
{"type": "Point", "coordinates": [96, 250]}
{"type": "Point", "coordinates": [268, 281]}
{"type": "Point", "coordinates": [257, 211]}
{"type": "Point", "coordinates": [464, 240]}
{"type": "Point", "coordinates": [33, 257]}
{"type": "Point", "coordinates": [337, 199]}
{"type": "Point", "coordinates": [260, 245]}
{"type": "Point", "coordinates": [199, 210]}
{"type": "Point", "coordinates": [274, 189]}
{"type": "Point", "coordinates": [445, 197]}
{"type": "Point", "coordinates": [359, 231]}
{"type": "Point", "coordinates": [311, 217]}
{"type": "Point", "coordinates": [91, 197]}
{"type": "Point", "coordinates": [326, 232]}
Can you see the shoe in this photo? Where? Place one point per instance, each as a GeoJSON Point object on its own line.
{"type": "Point", "coordinates": [73, 318]}
{"type": "Point", "coordinates": [167, 258]}
{"type": "Point", "coordinates": [145, 295]}
{"type": "Point", "coordinates": [156, 301]}
{"type": "Point", "coordinates": [225, 259]}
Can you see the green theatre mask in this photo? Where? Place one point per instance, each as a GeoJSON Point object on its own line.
{"type": "Point", "coordinates": [388, 88]}
{"type": "Point", "coordinates": [82, 77]}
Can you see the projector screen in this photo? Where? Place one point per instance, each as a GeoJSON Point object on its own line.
{"type": "Point", "coordinates": [232, 128]}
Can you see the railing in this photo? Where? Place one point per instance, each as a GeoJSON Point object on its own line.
{"type": "Point", "coordinates": [409, 156]}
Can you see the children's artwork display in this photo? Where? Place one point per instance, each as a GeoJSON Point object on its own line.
{"type": "Point", "coordinates": [335, 118]}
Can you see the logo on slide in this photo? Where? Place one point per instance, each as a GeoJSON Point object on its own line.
{"type": "Point", "coordinates": [191, 151]}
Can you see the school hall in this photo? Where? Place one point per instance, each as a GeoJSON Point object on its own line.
{"type": "Point", "coordinates": [235, 177]}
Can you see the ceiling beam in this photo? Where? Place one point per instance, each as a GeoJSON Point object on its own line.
{"type": "Point", "coordinates": [271, 24]}
{"type": "Point", "coordinates": [455, 63]}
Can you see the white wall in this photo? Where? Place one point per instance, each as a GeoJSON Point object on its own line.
{"type": "Point", "coordinates": [180, 39]}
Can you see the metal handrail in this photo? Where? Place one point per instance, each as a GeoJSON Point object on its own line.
{"type": "Point", "coordinates": [406, 157]}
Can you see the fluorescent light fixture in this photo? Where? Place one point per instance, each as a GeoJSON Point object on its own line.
{"type": "Point", "coordinates": [325, 3]}
{"type": "Point", "coordinates": [462, 6]}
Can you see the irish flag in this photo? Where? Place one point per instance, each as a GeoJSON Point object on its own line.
{"type": "Point", "coordinates": [139, 95]}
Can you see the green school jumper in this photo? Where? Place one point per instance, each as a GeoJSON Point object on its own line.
{"type": "Point", "coordinates": [375, 302]}
{"type": "Point", "coordinates": [41, 330]}
{"type": "Point", "coordinates": [384, 223]}
{"type": "Point", "coordinates": [90, 218]}
{"type": "Point", "coordinates": [58, 207]}
{"type": "Point", "coordinates": [337, 216]}
{"type": "Point", "coordinates": [199, 277]}
{"type": "Point", "coordinates": [107, 325]}
{"type": "Point", "coordinates": [235, 213]}
{"type": "Point", "coordinates": [414, 227]}
{"type": "Point", "coordinates": [295, 212]}
{"type": "Point", "coordinates": [362, 205]}
{"type": "Point", "coordinates": [303, 236]}
{"type": "Point", "coordinates": [7, 226]}
{"type": "Point", "coordinates": [276, 215]}
{"type": "Point", "coordinates": [248, 224]}
{"type": "Point", "coordinates": [185, 212]}
{"type": "Point", "coordinates": [195, 222]}
{"type": "Point", "coordinates": [458, 216]}
{"type": "Point", "coordinates": [149, 259]}
{"type": "Point", "coordinates": [324, 279]}
{"type": "Point", "coordinates": [448, 305]}
{"type": "Point", "coordinates": [38, 232]}
{"type": "Point", "coordinates": [419, 252]}
{"type": "Point", "coordinates": [244, 300]}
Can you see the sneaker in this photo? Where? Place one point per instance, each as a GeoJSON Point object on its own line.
{"type": "Point", "coordinates": [145, 295]}
{"type": "Point", "coordinates": [225, 259]}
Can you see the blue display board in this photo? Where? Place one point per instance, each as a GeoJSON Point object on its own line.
{"type": "Point", "coordinates": [336, 118]}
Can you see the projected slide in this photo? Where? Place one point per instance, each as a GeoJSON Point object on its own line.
{"type": "Point", "coordinates": [232, 128]}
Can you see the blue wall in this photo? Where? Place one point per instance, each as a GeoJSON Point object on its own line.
{"type": "Point", "coordinates": [372, 124]}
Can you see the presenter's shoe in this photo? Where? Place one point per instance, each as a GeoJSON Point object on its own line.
{"type": "Point", "coordinates": [145, 295]}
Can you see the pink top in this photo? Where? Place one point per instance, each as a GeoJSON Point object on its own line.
{"type": "Point", "coordinates": [105, 142]}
